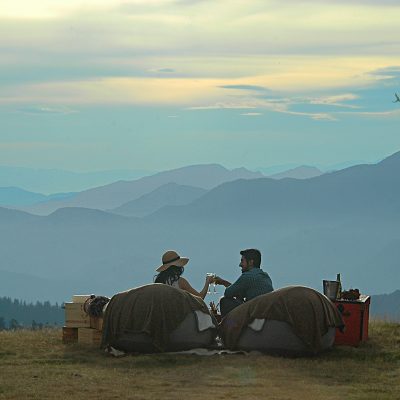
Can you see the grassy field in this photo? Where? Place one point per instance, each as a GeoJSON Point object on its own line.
{"type": "Point", "coordinates": [36, 365]}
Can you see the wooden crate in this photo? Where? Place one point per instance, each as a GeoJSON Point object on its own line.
{"type": "Point", "coordinates": [96, 323]}
{"type": "Point", "coordinates": [75, 316]}
{"type": "Point", "coordinates": [80, 298]}
{"type": "Point", "coordinates": [89, 336]}
{"type": "Point", "coordinates": [69, 335]}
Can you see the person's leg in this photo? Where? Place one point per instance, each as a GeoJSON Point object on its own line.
{"type": "Point", "coordinates": [227, 304]}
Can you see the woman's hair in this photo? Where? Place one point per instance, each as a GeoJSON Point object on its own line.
{"type": "Point", "coordinates": [169, 276]}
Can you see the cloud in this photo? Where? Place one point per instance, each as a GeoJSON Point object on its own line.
{"type": "Point", "coordinates": [390, 74]}
{"type": "Point", "coordinates": [209, 28]}
{"type": "Point", "coordinates": [190, 2]}
{"type": "Point", "coordinates": [163, 70]}
{"type": "Point", "coordinates": [221, 106]}
{"type": "Point", "coordinates": [26, 9]}
{"type": "Point", "coordinates": [245, 87]}
{"type": "Point", "coordinates": [272, 106]}
{"type": "Point", "coordinates": [194, 94]}
{"type": "Point", "coordinates": [314, 116]}
{"type": "Point", "coordinates": [150, 91]}
{"type": "Point", "coordinates": [47, 110]}
{"type": "Point", "coordinates": [373, 114]}
{"type": "Point", "coordinates": [257, 45]}
{"type": "Point", "coordinates": [336, 100]}
{"type": "Point", "coordinates": [206, 54]}
{"type": "Point", "coordinates": [251, 114]}
{"type": "Point", "coordinates": [372, 3]}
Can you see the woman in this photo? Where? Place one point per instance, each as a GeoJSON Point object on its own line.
{"type": "Point", "coordinates": [171, 270]}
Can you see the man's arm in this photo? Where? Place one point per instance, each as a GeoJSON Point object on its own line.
{"type": "Point", "coordinates": [223, 282]}
{"type": "Point", "coordinates": [237, 289]}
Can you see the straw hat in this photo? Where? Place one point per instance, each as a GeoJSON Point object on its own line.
{"type": "Point", "coordinates": [171, 257]}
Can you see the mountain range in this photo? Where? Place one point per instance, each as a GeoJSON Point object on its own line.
{"type": "Point", "coordinates": [363, 190]}
{"type": "Point", "coordinates": [118, 193]}
{"type": "Point", "coordinates": [170, 194]}
{"type": "Point", "coordinates": [302, 172]}
{"type": "Point", "coordinates": [57, 180]}
{"type": "Point", "coordinates": [386, 306]}
{"type": "Point", "coordinates": [14, 197]}
{"type": "Point", "coordinates": [307, 230]}
{"type": "Point", "coordinates": [49, 181]}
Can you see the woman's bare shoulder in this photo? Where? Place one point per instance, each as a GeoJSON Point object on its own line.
{"type": "Point", "coordinates": [183, 283]}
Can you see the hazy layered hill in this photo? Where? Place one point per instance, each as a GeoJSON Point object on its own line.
{"type": "Point", "coordinates": [89, 251]}
{"type": "Point", "coordinates": [19, 197]}
{"type": "Point", "coordinates": [170, 194]}
{"type": "Point", "coordinates": [118, 193]}
{"type": "Point", "coordinates": [57, 180]}
{"type": "Point", "coordinates": [302, 172]}
{"type": "Point", "coordinates": [307, 231]}
{"type": "Point", "coordinates": [14, 196]}
{"type": "Point", "coordinates": [386, 306]}
{"type": "Point", "coordinates": [76, 216]}
{"type": "Point", "coordinates": [8, 216]}
{"type": "Point", "coordinates": [363, 190]}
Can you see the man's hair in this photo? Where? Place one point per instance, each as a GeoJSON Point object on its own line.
{"type": "Point", "coordinates": [252, 254]}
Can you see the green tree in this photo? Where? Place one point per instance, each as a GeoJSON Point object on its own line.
{"type": "Point", "coordinates": [14, 325]}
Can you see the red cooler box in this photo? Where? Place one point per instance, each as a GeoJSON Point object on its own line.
{"type": "Point", "coordinates": [355, 315]}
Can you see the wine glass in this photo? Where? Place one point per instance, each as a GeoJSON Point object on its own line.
{"type": "Point", "coordinates": [214, 275]}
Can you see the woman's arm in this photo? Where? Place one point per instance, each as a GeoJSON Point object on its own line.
{"type": "Point", "coordinates": [223, 282]}
{"type": "Point", "coordinates": [185, 285]}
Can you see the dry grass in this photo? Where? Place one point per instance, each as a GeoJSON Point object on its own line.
{"type": "Point", "coordinates": [36, 365]}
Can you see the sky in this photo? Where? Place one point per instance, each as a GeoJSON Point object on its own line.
{"type": "Point", "coordinates": [150, 84]}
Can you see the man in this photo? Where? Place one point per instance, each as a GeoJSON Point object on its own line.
{"type": "Point", "coordinates": [252, 283]}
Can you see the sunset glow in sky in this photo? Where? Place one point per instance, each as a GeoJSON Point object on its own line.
{"type": "Point", "coordinates": [92, 85]}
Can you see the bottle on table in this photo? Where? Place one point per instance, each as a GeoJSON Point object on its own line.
{"type": "Point", "coordinates": [339, 290]}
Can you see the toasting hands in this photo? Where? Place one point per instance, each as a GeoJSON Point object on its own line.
{"type": "Point", "coordinates": [210, 278]}
{"type": "Point", "coordinates": [220, 281]}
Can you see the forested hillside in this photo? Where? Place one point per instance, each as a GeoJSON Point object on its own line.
{"type": "Point", "coordinates": [15, 314]}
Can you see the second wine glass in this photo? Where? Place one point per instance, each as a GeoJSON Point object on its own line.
{"type": "Point", "coordinates": [213, 275]}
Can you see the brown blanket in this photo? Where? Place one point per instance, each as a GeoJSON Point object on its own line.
{"type": "Point", "coordinates": [308, 312]}
{"type": "Point", "coordinates": [155, 309]}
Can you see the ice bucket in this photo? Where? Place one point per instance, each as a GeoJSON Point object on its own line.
{"type": "Point", "coordinates": [330, 289]}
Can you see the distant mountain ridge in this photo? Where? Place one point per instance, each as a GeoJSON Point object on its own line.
{"type": "Point", "coordinates": [386, 306]}
{"type": "Point", "coordinates": [20, 198]}
{"type": "Point", "coordinates": [14, 196]}
{"type": "Point", "coordinates": [307, 230]}
{"type": "Point", "coordinates": [302, 172]}
{"type": "Point", "coordinates": [58, 180]}
{"type": "Point", "coordinates": [115, 194]}
{"type": "Point", "coordinates": [357, 190]}
{"type": "Point", "coordinates": [170, 194]}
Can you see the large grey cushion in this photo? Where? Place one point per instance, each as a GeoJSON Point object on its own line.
{"type": "Point", "coordinates": [278, 337]}
{"type": "Point", "coordinates": [185, 337]}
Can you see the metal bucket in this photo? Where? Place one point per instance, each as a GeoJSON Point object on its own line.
{"type": "Point", "coordinates": [330, 289]}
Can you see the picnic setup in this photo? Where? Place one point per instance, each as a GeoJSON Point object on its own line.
{"type": "Point", "coordinates": [158, 318]}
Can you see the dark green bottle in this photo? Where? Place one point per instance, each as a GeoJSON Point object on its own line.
{"type": "Point", "coordinates": [339, 290]}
